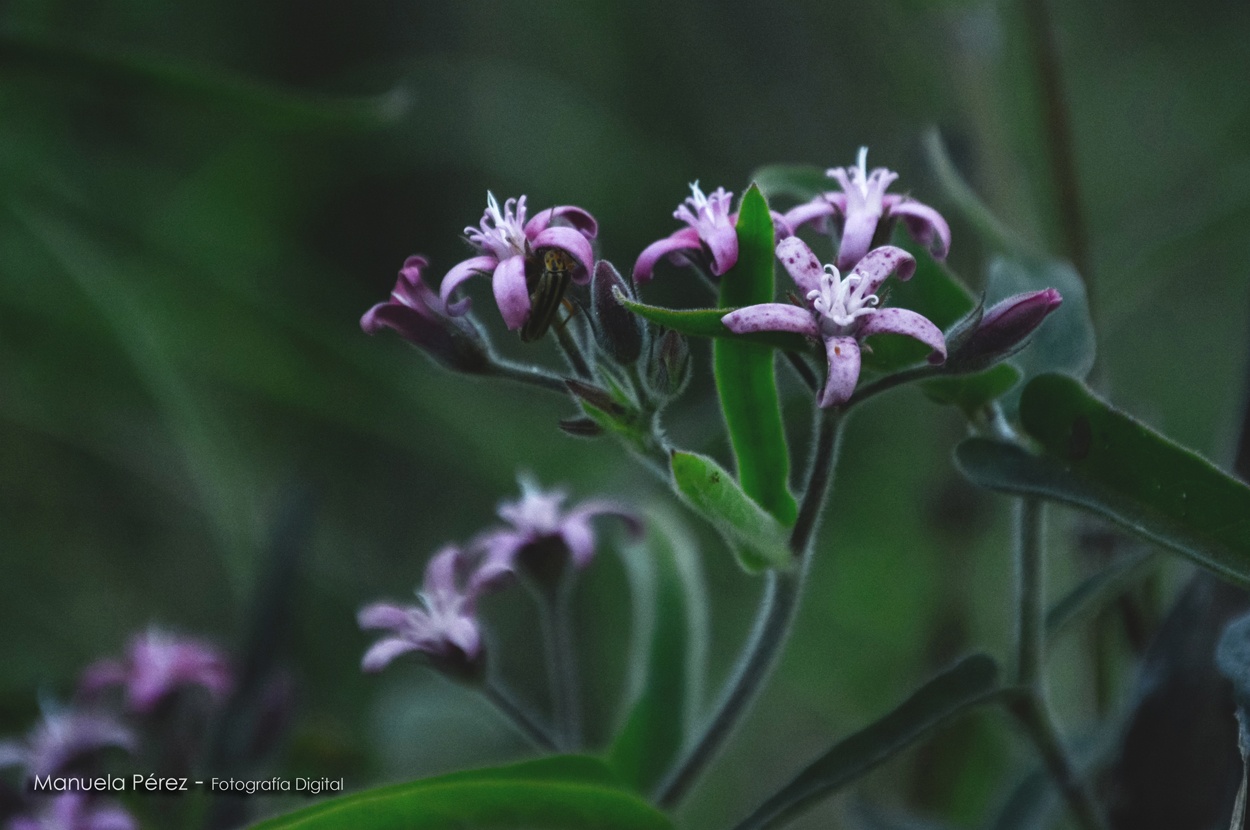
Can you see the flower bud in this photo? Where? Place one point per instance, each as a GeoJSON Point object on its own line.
{"type": "Point", "coordinates": [617, 330]}
{"type": "Point", "coordinates": [668, 365]}
{"type": "Point", "coordinates": [422, 318]}
{"type": "Point", "coordinates": [1003, 329]}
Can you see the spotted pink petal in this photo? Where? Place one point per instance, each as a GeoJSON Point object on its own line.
{"type": "Point", "coordinates": [908, 323]}
{"type": "Point", "coordinates": [924, 223]}
{"type": "Point", "coordinates": [880, 263]}
{"type": "Point", "coordinates": [802, 265]}
{"type": "Point", "coordinates": [843, 354]}
{"type": "Point", "coordinates": [771, 317]}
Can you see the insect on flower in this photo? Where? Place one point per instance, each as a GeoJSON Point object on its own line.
{"type": "Point", "coordinates": [547, 292]}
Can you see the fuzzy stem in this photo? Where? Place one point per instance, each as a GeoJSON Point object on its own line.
{"type": "Point", "coordinates": [1030, 590]}
{"type": "Point", "coordinates": [510, 708]}
{"type": "Point", "coordinates": [772, 623]}
{"type": "Point", "coordinates": [530, 376]}
{"type": "Point", "coordinates": [561, 664]}
{"type": "Point", "coordinates": [572, 351]}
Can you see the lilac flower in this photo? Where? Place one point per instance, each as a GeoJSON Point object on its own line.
{"type": "Point", "coordinates": [421, 317]}
{"type": "Point", "coordinates": [540, 525]}
{"type": "Point", "coordinates": [156, 665]}
{"type": "Point", "coordinates": [1008, 323]}
{"type": "Point", "coordinates": [75, 811]}
{"type": "Point", "coordinates": [63, 738]}
{"type": "Point", "coordinates": [444, 627]}
{"type": "Point", "coordinates": [863, 205]}
{"type": "Point", "coordinates": [842, 311]}
{"type": "Point", "coordinates": [507, 242]}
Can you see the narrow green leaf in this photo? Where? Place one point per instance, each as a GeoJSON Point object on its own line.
{"type": "Point", "coordinates": [800, 182]}
{"type": "Point", "coordinates": [552, 793]}
{"type": "Point", "coordinates": [759, 540]}
{"type": "Point", "coordinates": [670, 602]}
{"type": "Point", "coordinates": [706, 322]}
{"type": "Point", "coordinates": [745, 377]}
{"type": "Point", "coordinates": [972, 681]}
{"type": "Point", "coordinates": [1100, 459]}
{"type": "Point", "coordinates": [1095, 591]}
{"type": "Point", "coordinates": [972, 392]}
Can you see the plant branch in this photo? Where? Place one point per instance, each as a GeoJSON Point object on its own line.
{"type": "Point", "coordinates": [1030, 585]}
{"type": "Point", "coordinates": [507, 705]}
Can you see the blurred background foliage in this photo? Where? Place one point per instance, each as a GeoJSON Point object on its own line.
{"type": "Point", "coordinates": [198, 200]}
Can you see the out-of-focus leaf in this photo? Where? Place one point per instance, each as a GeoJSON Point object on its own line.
{"type": "Point", "coordinates": [1029, 804]}
{"type": "Point", "coordinates": [91, 64]}
{"type": "Point", "coordinates": [800, 182]}
{"type": "Point", "coordinates": [1100, 459]}
{"type": "Point", "coordinates": [759, 540]}
{"type": "Point", "coordinates": [745, 375]}
{"type": "Point", "coordinates": [972, 392]}
{"type": "Point", "coordinates": [671, 604]}
{"type": "Point", "coordinates": [970, 682]}
{"type": "Point", "coordinates": [552, 793]}
{"type": "Point", "coordinates": [706, 322]}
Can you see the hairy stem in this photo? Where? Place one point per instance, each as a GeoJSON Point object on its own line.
{"type": "Point", "coordinates": [889, 382]}
{"type": "Point", "coordinates": [510, 708]}
{"type": "Point", "coordinates": [530, 376]}
{"type": "Point", "coordinates": [772, 623]}
{"type": "Point", "coordinates": [572, 351]}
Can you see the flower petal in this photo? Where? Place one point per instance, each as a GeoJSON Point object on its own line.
{"type": "Point", "coordinates": [579, 535]}
{"type": "Point", "coordinates": [879, 263]}
{"type": "Point", "coordinates": [818, 210]}
{"type": "Point", "coordinates": [802, 265]}
{"type": "Point", "coordinates": [381, 653]}
{"type": "Point", "coordinates": [906, 322]}
{"type": "Point", "coordinates": [511, 293]}
{"type": "Point", "coordinates": [857, 233]}
{"type": "Point", "coordinates": [460, 273]}
{"type": "Point", "coordinates": [925, 225]}
{"type": "Point", "coordinates": [441, 571]}
{"type": "Point", "coordinates": [572, 243]}
{"type": "Point", "coordinates": [383, 615]}
{"type": "Point", "coordinates": [579, 219]}
{"type": "Point", "coordinates": [684, 239]}
{"type": "Point", "coordinates": [418, 329]}
{"type": "Point", "coordinates": [722, 242]}
{"type": "Point", "coordinates": [100, 675]}
{"type": "Point", "coordinates": [771, 317]}
{"type": "Point", "coordinates": [843, 354]}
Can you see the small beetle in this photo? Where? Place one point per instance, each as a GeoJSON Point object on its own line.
{"type": "Point", "coordinates": [547, 293]}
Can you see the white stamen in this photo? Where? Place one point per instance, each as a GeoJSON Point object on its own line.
{"type": "Point", "coordinates": [841, 301]}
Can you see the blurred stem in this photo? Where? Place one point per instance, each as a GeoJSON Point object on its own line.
{"type": "Point", "coordinates": [1030, 591]}
{"type": "Point", "coordinates": [554, 604]}
{"type": "Point", "coordinates": [772, 623]}
{"type": "Point", "coordinates": [530, 376]}
{"type": "Point", "coordinates": [572, 351]}
{"type": "Point", "coordinates": [508, 706]}
{"type": "Point", "coordinates": [889, 382]}
{"type": "Point", "coordinates": [1033, 712]}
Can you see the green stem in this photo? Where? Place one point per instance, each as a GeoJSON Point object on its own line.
{"type": "Point", "coordinates": [889, 382]}
{"type": "Point", "coordinates": [772, 623]}
{"type": "Point", "coordinates": [1030, 589]}
{"type": "Point", "coordinates": [530, 376]}
{"type": "Point", "coordinates": [1033, 713]}
{"type": "Point", "coordinates": [572, 351]}
{"type": "Point", "coordinates": [562, 664]}
{"type": "Point", "coordinates": [508, 706]}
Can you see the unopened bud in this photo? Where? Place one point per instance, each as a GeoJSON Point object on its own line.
{"type": "Point", "coordinates": [1003, 329]}
{"type": "Point", "coordinates": [617, 329]}
{"type": "Point", "coordinates": [668, 365]}
{"type": "Point", "coordinates": [581, 427]}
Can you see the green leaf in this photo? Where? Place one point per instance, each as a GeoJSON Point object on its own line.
{"type": "Point", "coordinates": [670, 602]}
{"type": "Point", "coordinates": [1098, 458]}
{"type": "Point", "coordinates": [972, 681]}
{"type": "Point", "coordinates": [801, 182]}
{"type": "Point", "coordinates": [706, 322]}
{"type": "Point", "coordinates": [745, 377]}
{"type": "Point", "coordinates": [758, 540]}
{"type": "Point", "coordinates": [552, 793]}
{"type": "Point", "coordinates": [972, 392]}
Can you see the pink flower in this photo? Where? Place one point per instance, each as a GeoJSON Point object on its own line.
{"type": "Point", "coordinates": [861, 208]}
{"type": "Point", "coordinates": [507, 243]}
{"type": "Point", "coordinates": [75, 811]}
{"type": "Point", "coordinates": [63, 738]}
{"type": "Point", "coordinates": [841, 311]}
{"type": "Point", "coordinates": [156, 665]}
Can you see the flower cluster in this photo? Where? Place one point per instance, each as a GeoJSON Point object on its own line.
{"type": "Point", "coordinates": [540, 538]}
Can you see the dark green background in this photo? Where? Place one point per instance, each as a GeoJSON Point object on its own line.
{"type": "Point", "coordinates": [198, 200]}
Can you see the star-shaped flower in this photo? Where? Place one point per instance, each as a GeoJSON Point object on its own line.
{"type": "Point", "coordinates": [841, 311]}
